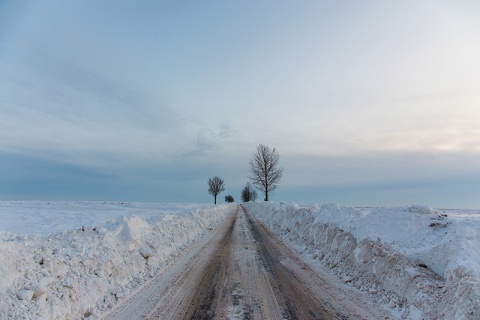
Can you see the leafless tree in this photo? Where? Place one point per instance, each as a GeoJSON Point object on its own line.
{"type": "Point", "coordinates": [215, 186]}
{"type": "Point", "coordinates": [229, 199]}
{"type": "Point", "coordinates": [253, 195]}
{"type": "Point", "coordinates": [248, 193]}
{"type": "Point", "coordinates": [264, 170]}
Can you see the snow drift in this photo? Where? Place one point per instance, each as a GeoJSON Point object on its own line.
{"type": "Point", "coordinates": [417, 261]}
{"type": "Point", "coordinates": [82, 273]}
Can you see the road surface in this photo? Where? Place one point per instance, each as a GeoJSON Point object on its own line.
{"type": "Point", "coordinates": [241, 271]}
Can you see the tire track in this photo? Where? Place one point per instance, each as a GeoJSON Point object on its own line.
{"type": "Point", "coordinates": [209, 292]}
{"type": "Point", "coordinates": [240, 271]}
{"type": "Point", "coordinates": [296, 301]}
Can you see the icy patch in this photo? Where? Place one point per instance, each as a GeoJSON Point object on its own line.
{"type": "Point", "coordinates": [237, 310]}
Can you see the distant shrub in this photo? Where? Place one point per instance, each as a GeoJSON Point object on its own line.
{"type": "Point", "coordinates": [229, 198]}
{"type": "Point", "coordinates": [248, 193]}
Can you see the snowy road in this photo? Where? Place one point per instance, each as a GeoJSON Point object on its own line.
{"type": "Point", "coordinates": [241, 271]}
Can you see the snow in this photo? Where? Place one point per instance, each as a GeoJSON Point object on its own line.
{"type": "Point", "coordinates": [70, 260]}
{"type": "Point", "coordinates": [55, 269]}
{"type": "Point", "coordinates": [421, 263]}
{"type": "Point", "coordinates": [43, 217]}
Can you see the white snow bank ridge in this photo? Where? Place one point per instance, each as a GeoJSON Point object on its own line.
{"type": "Point", "coordinates": [81, 274]}
{"type": "Point", "coordinates": [421, 263]}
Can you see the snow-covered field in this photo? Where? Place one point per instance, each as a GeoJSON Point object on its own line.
{"type": "Point", "coordinates": [418, 262]}
{"type": "Point", "coordinates": [44, 217]}
{"type": "Point", "coordinates": [52, 268]}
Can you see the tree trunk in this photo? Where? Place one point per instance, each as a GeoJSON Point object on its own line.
{"type": "Point", "coordinates": [215, 197]}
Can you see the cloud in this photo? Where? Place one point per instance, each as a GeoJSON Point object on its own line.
{"type": "Point", "coordinates": [447, 192]}
{"type": "Point", "coordinates": [391, 179]}
{"type": "Point", "coordinates": [364, 94]}
{"type": "Point", "coordinates": [57, 106]}
{"type": "Point", "coordinates": [211, 142]}
{"type": "Point", "coordinates": [30, 177]}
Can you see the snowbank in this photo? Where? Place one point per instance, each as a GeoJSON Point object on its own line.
{"type": "Point", "coordinates": [82, 273]}
{"type": "Point", "coordinates": [45, 217]}
{"type": "Point", "coordinates": [420, 262]}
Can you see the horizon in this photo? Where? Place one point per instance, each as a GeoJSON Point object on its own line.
{"type": "Point", "coordinates": [368, 104]}
{"type": "Point", "coordinates": [210, 203]}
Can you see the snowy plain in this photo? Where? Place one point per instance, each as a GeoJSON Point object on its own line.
{"type": "Point", "coordinates": [70, 260]}
{"type": "Point", "coordinates": [44, 217]}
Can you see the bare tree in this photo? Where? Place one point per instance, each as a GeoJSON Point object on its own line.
{"type": "Point", "coordinates": [229, 199]}
{"type": "Point", "coordinates": [215, 186]}
{"type": "Point", "coordinates": [253, 195]}
{"type": "Point", "coordinates": [248, 193]}
{"type": "Point", "coordinates": [265, 173]}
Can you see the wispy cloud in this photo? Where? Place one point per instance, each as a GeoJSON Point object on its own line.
{"type": "Point", "coordinates": [58, 106]}
{"type": "Point", "coordinates": [212, 141]}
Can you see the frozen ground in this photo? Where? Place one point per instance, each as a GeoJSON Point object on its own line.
{"type": "Point", "coordinates": [417, 262]}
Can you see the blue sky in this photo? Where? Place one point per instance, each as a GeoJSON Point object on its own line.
{"type": "Point", "coordinates": [367, 102]}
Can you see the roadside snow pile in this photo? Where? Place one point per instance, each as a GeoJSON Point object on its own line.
{"type": "Point", "coordinates": [420, 262]}
{"type": "Point", "coordinates": [81, 274]}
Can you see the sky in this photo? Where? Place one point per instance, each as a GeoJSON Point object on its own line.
{"type": "Point", "coordinates": [368, 103]}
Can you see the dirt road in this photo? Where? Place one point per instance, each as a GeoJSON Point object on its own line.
{"type": "Point", "coordinates": [241, 271]}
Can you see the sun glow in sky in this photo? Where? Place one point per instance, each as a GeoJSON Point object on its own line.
{"type": "Point", "coordinates": [368, 103]}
